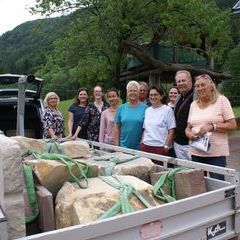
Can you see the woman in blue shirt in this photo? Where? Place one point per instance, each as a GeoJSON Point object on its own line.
{"type": "Point", "coordinates": [129, 119]}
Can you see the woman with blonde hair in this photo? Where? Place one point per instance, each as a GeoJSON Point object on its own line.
{"type": "Point", "coordinates": [52, 118]}
{"type": "Point", "coordinates": [211, 113]}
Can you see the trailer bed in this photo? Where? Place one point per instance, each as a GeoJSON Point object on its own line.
{"type": "Point", "coordinates": [211, 215]}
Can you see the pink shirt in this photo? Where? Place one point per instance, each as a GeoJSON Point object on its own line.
{"type": "Point", "coordinates": [218, 112]}
{"type": "Point", "coordinates": [106, 133]}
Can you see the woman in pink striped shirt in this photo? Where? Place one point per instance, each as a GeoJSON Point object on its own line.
{"type": "Point", "coordinates": [211, 112]}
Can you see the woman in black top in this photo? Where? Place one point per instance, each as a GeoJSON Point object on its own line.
{"type": "Point", "coordinates": [92, 116]}
{"type": "Point", "coordinates": [76, 111]}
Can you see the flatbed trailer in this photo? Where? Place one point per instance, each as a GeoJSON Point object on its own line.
{"type": "Point", "coordinates": [211, 215]}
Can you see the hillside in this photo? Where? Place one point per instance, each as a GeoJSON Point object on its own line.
{"type": "Point", "coordinates": [24, 49]}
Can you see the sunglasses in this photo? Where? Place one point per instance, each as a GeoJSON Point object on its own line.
{"type": "Point", "coordinates": [205, 76]}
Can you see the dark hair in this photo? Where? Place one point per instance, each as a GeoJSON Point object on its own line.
{"type": "Point", "coordinates": [76, 97]}
{"type": "Point", "coordinates": [112, 90]}
{"type": "Point", "coordinates": [158, 89]}
{"type": "Point", "coordinates": [174, 87]}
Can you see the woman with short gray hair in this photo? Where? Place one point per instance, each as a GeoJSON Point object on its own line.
{"type": "Point", "coordinates": [129, 119]}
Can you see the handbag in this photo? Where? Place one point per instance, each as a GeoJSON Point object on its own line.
{"type": "Point", "coordinates": [203, 143]}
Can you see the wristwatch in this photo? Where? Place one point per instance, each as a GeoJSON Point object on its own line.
{"type": "Point", "coordinates": [166, 146]}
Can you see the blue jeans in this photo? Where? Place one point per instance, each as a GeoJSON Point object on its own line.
{"type": "Point", "coordinates": [216, 161]}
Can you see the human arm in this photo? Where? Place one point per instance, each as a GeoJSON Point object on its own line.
{"type": "Point", "coordinates": [116, 134]}
{"type": "Point", "coordinates": [52, 134]}
{"type": "Point", "coordinates": [102, 127]}
{"type": "Point", "coordinates": [70, 124]}
{"type": "Point", "coordinates": [77, 132]}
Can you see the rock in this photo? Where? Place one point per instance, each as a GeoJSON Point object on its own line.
{"type": "Point", "coordinates": [76, 149]}
{"type": "Point", "coordinates": [12, 185]}
{"type": "Point", "coordinates": [26, 144]}
{"type": "Point", "coordinates": [46, 209]}
{"type": "Point", "coordinates": [140, 167]}
{"type": "Point", "coordinates": [187, 183]}
{"type": "Point", "coordinates": [79, 206]}
{"type": "Point", "coordinates": [51, 174]}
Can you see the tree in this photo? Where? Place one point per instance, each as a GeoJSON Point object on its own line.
{"type": "Point", "coordinates": [100, 26]}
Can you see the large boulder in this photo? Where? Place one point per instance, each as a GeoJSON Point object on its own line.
{"type": "Point", "coordinates": [139, 167]}
{"type": "Point", "coordinates": [187, 183]}
{"type": "Point", "coordinates": [52, 174]}
{"type": "Point", "coordinates": [11, 187]}
{"type": "Point", "coordinates": [79, 206]}
{"type": "Point", "coordinates": [76, 149]}
{"type": "Point", "coordinates": [26, 144]}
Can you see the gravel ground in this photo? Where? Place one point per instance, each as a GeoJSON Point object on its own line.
{"type": "Point", "coordinates": [233, 161]}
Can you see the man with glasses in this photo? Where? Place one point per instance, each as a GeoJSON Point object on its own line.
{"type": "Point", "coordinates": [185, 86]}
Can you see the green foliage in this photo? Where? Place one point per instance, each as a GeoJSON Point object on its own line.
{"type": "Point", "coordinates": [231, 87]}
{"type": "Point", "coordinates": [24, 49]}
{"type": "Point", "coordinates": [236, 111]}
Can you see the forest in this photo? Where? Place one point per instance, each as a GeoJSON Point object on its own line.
{"type": "Point", "coordinates": [85, 46]}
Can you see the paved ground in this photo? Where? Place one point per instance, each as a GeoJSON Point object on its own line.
{"type": "Point", "coordinates": [233, 161]}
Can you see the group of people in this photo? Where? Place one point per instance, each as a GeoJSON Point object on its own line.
{"type": "Point", "coordinates": [146, 123]}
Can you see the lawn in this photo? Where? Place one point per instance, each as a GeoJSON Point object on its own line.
{"type": "Point", "coordinates": [63, 107]}
{"type": "Point", "coordinates": [236, 111]}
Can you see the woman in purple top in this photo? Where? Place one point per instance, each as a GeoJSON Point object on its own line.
{"type": "Point", "coordinates": [76, 111]}
{"type": "Point", "coordinates": [106, 133]}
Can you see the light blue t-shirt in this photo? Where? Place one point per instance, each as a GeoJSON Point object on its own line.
{"type": "Point", "coordinates": [131, 122]}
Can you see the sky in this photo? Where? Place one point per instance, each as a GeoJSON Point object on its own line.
{"type": "Point", "coordinates": [14, 12]}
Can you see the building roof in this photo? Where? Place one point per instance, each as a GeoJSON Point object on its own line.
{"type": "Point", "coordinates": [236, 8]}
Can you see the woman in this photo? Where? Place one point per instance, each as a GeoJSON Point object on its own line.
{"type": "Point", "coordinates": [173, 93]}
{"type": "Point", "coordinates": [211, 112]}
{"type": "Point", "coordinates": [159, 124]}
{"type": "Point", "coordinates": [92, 116]}
{"type": "Point", "coordinates": [106, 134]}
{"type": "Point", "coordinates": [53, 121]}
{"type": "Point", "coordinates": [129, 119]}
{"type": "Point", "coordinates": [76, 111]}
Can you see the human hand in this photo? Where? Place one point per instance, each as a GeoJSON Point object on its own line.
{"type": "Point", "coordinates": [54, 137]}
{"type": "Point", "coordinates": [204, 129]}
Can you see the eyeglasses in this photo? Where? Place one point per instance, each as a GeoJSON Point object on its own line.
{"type": "Point", "coordinates": [154, 95]}
{"type": "Point", "coordinates": [52, 98]}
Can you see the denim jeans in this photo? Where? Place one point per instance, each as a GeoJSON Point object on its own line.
{"type": "Point", "coordinates": [216, 161]}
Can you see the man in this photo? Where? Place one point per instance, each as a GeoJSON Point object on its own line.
{"type": "Point", "coordinates": [185, 86]}
{"type": "Point", "coordinates": [143, 93]}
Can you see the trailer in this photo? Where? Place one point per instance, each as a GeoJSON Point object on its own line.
{"type": "Point", "coordinates": [211, 215]}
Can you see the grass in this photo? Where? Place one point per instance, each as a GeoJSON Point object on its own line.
{"type": "Point", "coordinates": [63, 107]}
{"type": "Point", "coordinates": [236, 111]}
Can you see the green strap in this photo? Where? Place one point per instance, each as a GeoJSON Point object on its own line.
{"type": "Point", "coordinates": [126, 192]}
{"type": "Point", "coordinates": [167, 178]}
{"type": "Point", "coordinates": [53, 147]}
{"type": "Point", "coordinates": [81, 174]}
{"type": "Point", "coordinates": [113, 161]}
{"type": "Point", "coordinates": [27, 170]}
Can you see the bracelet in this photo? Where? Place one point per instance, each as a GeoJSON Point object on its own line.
{"type": "Point", "coordinates": [166, 146]}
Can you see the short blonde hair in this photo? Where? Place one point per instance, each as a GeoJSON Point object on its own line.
{"type": "Point", "coordinates": [184, 71]}
{"type": "Point", "coordinates": [48, 96]}
{"type": "Point", "coordinates": [133, 83]}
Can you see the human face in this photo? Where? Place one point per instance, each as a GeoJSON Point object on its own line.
{"type": "Point", "coordinates": [97, 93]}
{"type": "Point", "coordinates": [112, 98]}
{"type": "Point", "coordinates": [203, 88]}
{"type": "Point", "coordinates": [184, 83]}
{"type": "Point", "coordinates": [53, 101]}
{"type": "Point", "coordinates": [173, 94]}
{"type": "Point", "coordinates": [132, 93]}
{"type": "Point", "coordinates": [83, 97]}
{"type": "Point", "coordinates": [143, 93]}
{"type": "Point", "coordinates": [155, 97]}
